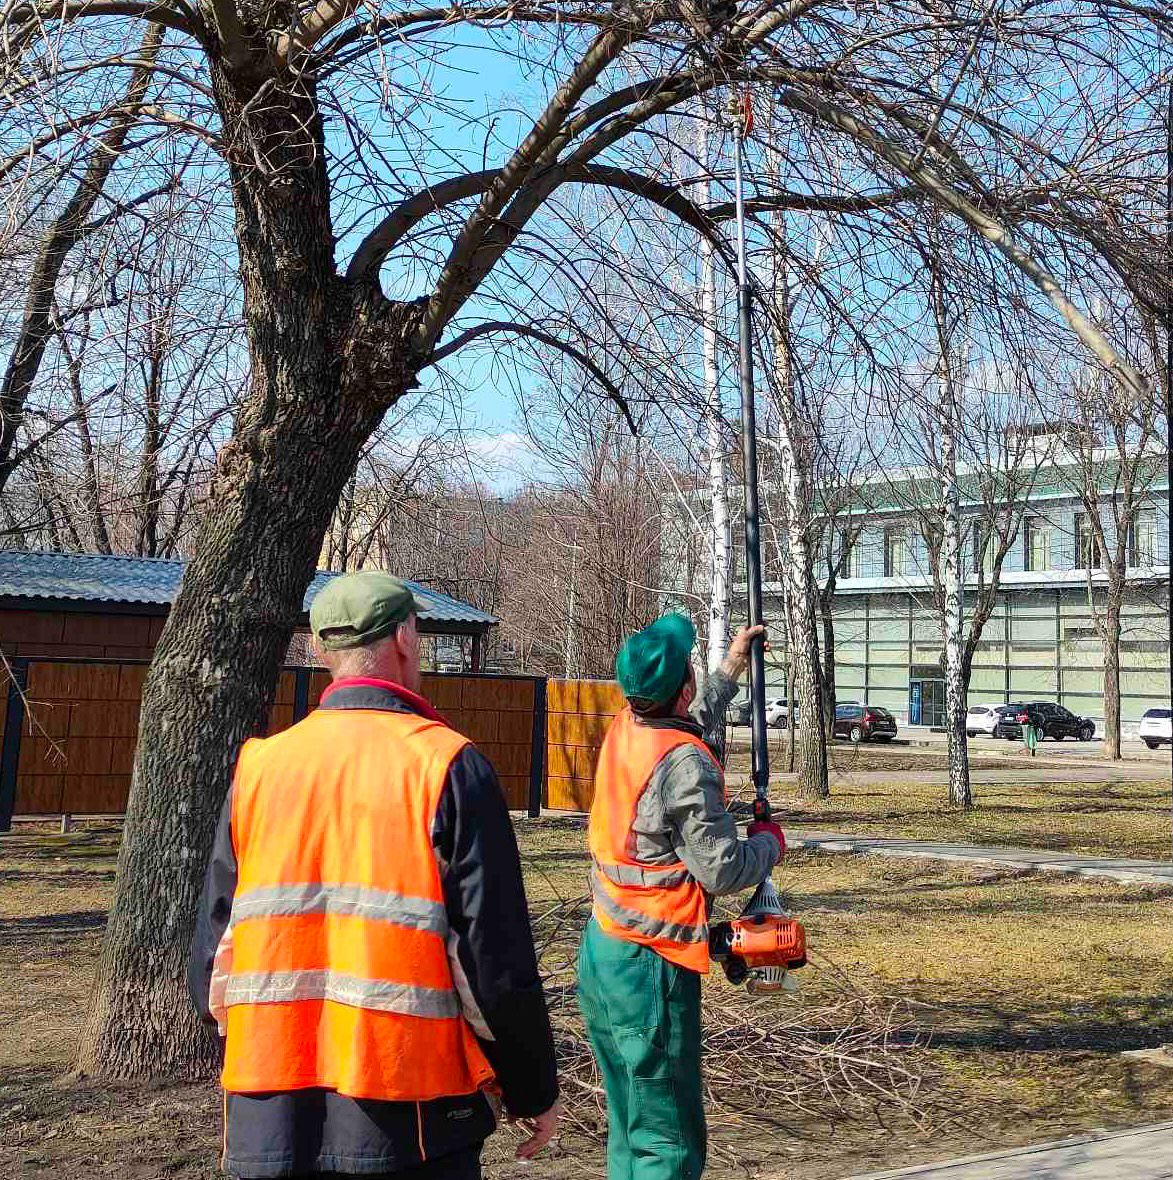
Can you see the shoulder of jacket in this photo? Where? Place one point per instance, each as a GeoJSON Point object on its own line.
{"type": "Point", "coordinates": [691, 760]}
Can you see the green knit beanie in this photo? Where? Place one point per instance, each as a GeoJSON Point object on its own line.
{"type": "Point", "coordinates": [653, 663]}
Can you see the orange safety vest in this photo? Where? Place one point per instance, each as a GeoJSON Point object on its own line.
{"type": "Point", "coordinates": [334, 970]}
{"type": "Point", "coordinates": [660, 906]}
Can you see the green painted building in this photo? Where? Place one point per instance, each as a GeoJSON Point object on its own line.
{"type": "Point", "coordinates": [1041, 642]}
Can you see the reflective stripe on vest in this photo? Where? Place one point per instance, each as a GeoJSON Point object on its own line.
{"type": "Point", "coordinates": [334, 972]}
{"type": "Point", "coordinates": [376, 905]}
{"type": "Point", "coordinates": [657, 905]}
{"type": "Point", "coordinates": [283, 987]}
{"type": "Point", "coordinates": [641, 923]}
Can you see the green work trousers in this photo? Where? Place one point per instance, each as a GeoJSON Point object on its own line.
{"type": "Point", "coordinates": [643, 1017]}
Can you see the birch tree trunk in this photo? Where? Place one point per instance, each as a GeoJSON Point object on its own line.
{"type": "Point", "coordinates": [721, 535]}
{"type": "Point", "coordinates": [810, 739]}
{"type": "Point", "coordinates": [952, 587]}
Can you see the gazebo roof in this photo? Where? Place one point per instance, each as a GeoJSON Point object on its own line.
{"type": "Point", "coordinates": [49, 580]}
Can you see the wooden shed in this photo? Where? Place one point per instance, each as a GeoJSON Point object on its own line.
{"type": "Point", "coordinates": [77, 632]}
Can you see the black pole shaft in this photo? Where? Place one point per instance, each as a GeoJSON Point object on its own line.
{"type": "Point", "coordinates": [760, 756]}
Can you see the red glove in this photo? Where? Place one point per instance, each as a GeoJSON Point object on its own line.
{"type": "Point", "coordinates": [768, 825]}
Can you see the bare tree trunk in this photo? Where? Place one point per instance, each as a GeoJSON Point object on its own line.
{"type": "Point", "coordinates": [147, 506]}
{"type": "Point", "coordinates": [67, 230]}
{"type": "Point", "coordinates": [90, 495]}
{"type": "Point", "coordinates": [328, 358]}
{"type": "Point", "coordinates": [1110, 643]}
{"type": "Point", "coordinates": [826, 602]}
{"type": "Point", "coordinates": [790, 717]}
{"type": "Point", "coordinates": [953, 586]}
{"type": "Point", "coordinates": [721, 536]}
{"type": "Point", "coordinates": [810, 739]}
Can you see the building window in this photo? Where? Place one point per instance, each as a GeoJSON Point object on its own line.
{"type": "Point", "coordinates": [1142, 539]}
{"type": "Point", "coordinates": [1036, 536]}
{"type": "Point", "coordinates": [985, 542]}
{"type": "Point", "coordinates": [895, 552]}
{"type": "Point", "coordinates": [850, 552]}
{"type": "Point", "coordinates": [1087, 548]}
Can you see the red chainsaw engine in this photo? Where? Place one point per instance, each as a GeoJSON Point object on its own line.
{"type": "Point", "coordinates": [762, 945]}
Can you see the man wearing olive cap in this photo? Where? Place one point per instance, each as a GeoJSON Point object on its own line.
{"type": "Point", "coordinates": [662, 843]}
{"type": "Point", "coordinates": [363, 944]}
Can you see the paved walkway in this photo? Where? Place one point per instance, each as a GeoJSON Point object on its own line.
{"type": "Point", "coordinates": [1142, 1154]}
{"type": "Point", "coordinates": [1132, 872]}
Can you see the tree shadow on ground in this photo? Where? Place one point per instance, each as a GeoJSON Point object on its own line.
{"type": "Point", "coordinates": [55, 927]}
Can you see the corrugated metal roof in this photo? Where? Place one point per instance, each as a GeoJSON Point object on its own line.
{"type": "Point", "coordinates": [154, 581]}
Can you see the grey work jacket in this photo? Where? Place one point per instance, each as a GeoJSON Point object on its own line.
{"type": "Point", "coordinates": [682, 816]}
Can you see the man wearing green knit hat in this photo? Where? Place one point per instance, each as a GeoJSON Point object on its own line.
{"type": "Point", "coordinates": [663, 843]}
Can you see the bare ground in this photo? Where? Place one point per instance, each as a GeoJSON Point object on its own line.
{"type": "Point", "coordinates": [1015, 997]}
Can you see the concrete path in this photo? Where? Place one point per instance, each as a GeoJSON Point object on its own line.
{"type": "Point", "coordinates": [1142, 1154]}
{"type": "Point", "coordinates": [1040, 772]}
{"type": "Point", "coordinates": [1131, 872]}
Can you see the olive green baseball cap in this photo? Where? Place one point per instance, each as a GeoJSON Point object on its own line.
{"type": "Point", "coordinates": [653, 663]}
{"type": "Point", "coordinates": [353, 610]}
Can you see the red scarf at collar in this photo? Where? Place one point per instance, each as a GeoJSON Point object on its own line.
{"type": "Point", "coordinates": [418, 704]}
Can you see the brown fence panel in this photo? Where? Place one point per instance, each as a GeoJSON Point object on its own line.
{"type": "Point", "coordinates": [579, 712]}
{"type": "Point", "coordinates": [496, 712]}
{"type": "Point", "coordinates": [76, 751]}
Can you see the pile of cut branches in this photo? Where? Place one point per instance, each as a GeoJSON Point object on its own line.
{"type": "Point", "coordinates": [838, 1052]}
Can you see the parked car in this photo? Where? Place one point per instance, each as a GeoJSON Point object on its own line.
{"type": "Point", "coordinates": [862, 723]}
{"type": "Point", "coordinates": [1049, 720]}
{"type": "Point", "coordinates": [739, 711]}
{"type": "Point", "coordinates": [981, 719]}
{"type": "Point", "coordinates": [778, 712]}
{"type": "Point", "coordinates": [1156, 728]}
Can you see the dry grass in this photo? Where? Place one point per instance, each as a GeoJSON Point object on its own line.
{"type": "Point", "coordinates": [845, 759]}
{"type": "Point", "coordinates": [1009, 999]}
{"type": "Point", "coordinates": [1127, 819]}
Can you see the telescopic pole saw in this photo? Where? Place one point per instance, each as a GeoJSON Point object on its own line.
{"type": "Point", "coordinates": [760, 764]}
{"type": "Point", "coordinates": [762, 946]}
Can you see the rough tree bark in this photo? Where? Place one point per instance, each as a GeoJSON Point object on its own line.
{"type": "Point", "coordinates": [329, 356]}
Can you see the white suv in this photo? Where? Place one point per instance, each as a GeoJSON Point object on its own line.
{"type": "Point", "coordinates": [1156, 728]}
{"type": "Point", "coordinates": [778, 712]}
{"type": "Point", "coordinates": [980, 719]}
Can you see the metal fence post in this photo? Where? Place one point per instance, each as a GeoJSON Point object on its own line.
{"type": "Point", "coordinates": [10, 749]}
{"type": "Point", "coordinates": [537, 763]}
{"type": "Point", "coordinates": [301, 693]}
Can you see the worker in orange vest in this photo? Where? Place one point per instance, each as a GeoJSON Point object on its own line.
{"type": "Point", "coordinates": [364, 943]}
{"type": "Point", "coordinates": [662, 842]}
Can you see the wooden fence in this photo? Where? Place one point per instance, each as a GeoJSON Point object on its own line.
{"type": "Point", "coordinates": [75, 753]}
{"type": "Point", "coordinates": [578, 714]}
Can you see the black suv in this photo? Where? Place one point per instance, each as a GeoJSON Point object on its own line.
{"type": "Point", "coordinates": [862, 723]}
{"type": "Point", "coordinates": [1049, 721]}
